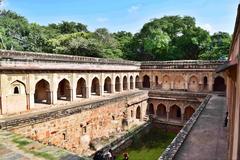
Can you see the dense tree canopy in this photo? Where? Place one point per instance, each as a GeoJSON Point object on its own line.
{"type": "Point", "coordinates": [166, 38]}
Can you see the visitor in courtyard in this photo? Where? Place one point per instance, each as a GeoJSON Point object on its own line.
{"type": "Point", "coordinates": [98, 155]}
{"type": "Point", "coordinates": [108, 155]}
{"type": "Point", "coordinates": [226, 120]}
{"type": "Point", "coordinates": [125, 156]}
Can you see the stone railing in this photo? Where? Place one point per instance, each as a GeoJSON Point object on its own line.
{"type": "Point", "coordinates": [182, 64]}
{"type": "Point", "coordinates": [47, 57]}
{"type": "Point", "coordinates": [175, 145]}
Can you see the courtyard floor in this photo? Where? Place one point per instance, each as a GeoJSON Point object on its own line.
{"type": "Point", "coordinates": [208, 137]}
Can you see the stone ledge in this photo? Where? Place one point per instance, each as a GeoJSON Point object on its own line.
{"type": "Point", "coordinates": [61, 112]}
{"type": "Point", "coordinates": [173, 148]}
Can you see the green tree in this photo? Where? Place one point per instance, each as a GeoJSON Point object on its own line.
{"type": "Point", "coordinates": [218, 48]}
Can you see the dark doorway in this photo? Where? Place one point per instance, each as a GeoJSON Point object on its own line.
{"type": "Point", "coordinates": [219, 84]}
{"type": "Point", "coordinates": [146, 82]}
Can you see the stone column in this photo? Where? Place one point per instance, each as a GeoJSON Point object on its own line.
{"type": "Point", "coordinates": [30, 101]}
{"type": "Point", "coordinates": [113, 88]}
{"type": "Point", "coordinates": [101, 91]}
{"type": "Point", "coordinates": [172, 85]}
{"type": "Point", "coordinates": [88, 92]}
{"type": "Point", "coordinates": [71, 95]}
{"type": "Point", "coordinates": [54, 88]}
{"type": "Point", "coordinates": [182, 118]}
{"type": "Point", "coordinates": [186, 86]}
{"type": "Point", "coordinates": [167, 116]}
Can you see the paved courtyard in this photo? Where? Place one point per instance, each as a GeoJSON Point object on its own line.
{"type": "Point", "coordinates": [208, 138]}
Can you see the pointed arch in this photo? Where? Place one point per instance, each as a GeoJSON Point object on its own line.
{"type": "Point", "coordinates": [108, 85]}
{"type": "Point", "coordinates": [175, 112]}
{"type": "Point", "coordinates": [95, 87]}
{"type": "Point", "coordinates": [193, 84]}
{"type": "Point", "coordinates": [161, 111]}
{"type": "Point", "coordinates": [188, 112]}
{"type": "Point", "coordinates": [42, 92]}
{"type": "Point", "coordinates": [117, 84]}
{"type": "Point", "coordinates": [81, 88]}
{"type": "Point", "coordinates": [64, 89]}
{"type": "Point", "coordinates": [137, 82]}
{"type": "Point", "coordinates": [131, 82]}
{"type": "Point", "coordinates": [179, 83]}
{"type": "Point", "coordinates": [219, 84]}
{"type": "Point", "coordinates": [125, 83]}
{"type": "Point", "coordinates": [166, 84]}
{"type": "Point", "coordinates": [146, 81]}
{"type": "Point", "coordinates": [138, 112]}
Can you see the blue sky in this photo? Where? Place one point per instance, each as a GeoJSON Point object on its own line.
{"type": "Point", "coordinates": [128, 15]}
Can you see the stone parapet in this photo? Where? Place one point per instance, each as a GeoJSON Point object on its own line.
{"type": "Point", "coordinates": [8, 123]}
{"type": "Point", "coordinates": [44, 61]}
{"type": "Point", "coordinates": [182, 64]}
{"type": "Point", "coordinates": [175, 145]}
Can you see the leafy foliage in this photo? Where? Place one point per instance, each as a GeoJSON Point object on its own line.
{"type": "Point", "coordinates": [167, 38]}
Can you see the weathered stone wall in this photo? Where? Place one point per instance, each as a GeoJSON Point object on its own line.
{"type": "Point", "coordinates": [75, 132]}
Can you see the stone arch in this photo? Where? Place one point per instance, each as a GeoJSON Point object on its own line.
{"type": "Point", "coordinates": [137, 82]}
{"type": "Point", "coordinates": [42, 92]}
{"type": "Point", "coordinates": [138, 112]}
{"type": "Point", "coordinates": [161, 111]}
{"type": "Point", "coordinates": [125, 83]}
{"type": "Point", "coordinates": [95, 87]}
{"type": "Point", "coordinates": [108, 85]}
{"type": "Point", "coordinates": [193, 84]}
{"type": "Point", "coordinates": [146, 81]}
{"type": "Point", "coordinates": [17, 97]}
{"type": "Point", "coordinates": [81, 88]}
{"type": "Point", "coordinates": [188, 112]}
{"type": "Point", "coordinates": [64, 90]}
{"type": "Point", "coordinates": [117, 84]}
{"type": "Point", "coordinates": [219, 84]}
{"type": "Point", "coordinates": [131, 82]}
{"type": "Point", "coordinates": [175, 112]}
{"type": "Point", "coordinates": [205, 82]}
{"type": "Point", "coordinates": [150, 109]}
{"type": "Point", "coordinates": [179, 83]}
{"type": "Point", "coordinates": [166, 84]}
{"type": "Point", "coordinates": [156, 80]}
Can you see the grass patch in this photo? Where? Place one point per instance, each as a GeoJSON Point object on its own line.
{"type": "Point", "coordinates": [149, 146]}
{"type": "Point", "coordinates": [21, 142]}
{"type": "Point", "coordinates": [43, 155]}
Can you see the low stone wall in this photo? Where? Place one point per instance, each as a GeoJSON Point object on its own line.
{"type": "Point", "coordinates": [173, 148]}
{"type": "Point", "coordinates": [9, 123]}
{"type": "Point", "coordinates": [123, 142]}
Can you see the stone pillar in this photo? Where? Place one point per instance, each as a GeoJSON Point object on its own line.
{"type": "Point", "coordinates": [186, 86]}
{"type": "Point", "coordinates": [54, 88]}
{"type": "Point", "coordinates": [172, 85]}
{"type": "Point", "coordinates": [30, 101]}
{"type": "Point", "coordinates": [54, 96]}
{"type": "Point", "coordinates": [71, 94]}
{"type": "Point", "coordinates": [88, 92]}
{"type": "Point", "coordinates": [182, 118]}
{"type": "Point", "coordinates": [113, 88]}
{"type": "Point", "coordinates": [167, 116]}
{"type": "Point", "coordinates": [101, 91]}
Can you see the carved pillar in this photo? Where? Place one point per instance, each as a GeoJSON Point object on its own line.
{"type": "Point", "coordinates": [182, 118]}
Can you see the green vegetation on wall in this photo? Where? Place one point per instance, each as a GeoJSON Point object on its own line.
{"type": "Point", "coordinates": [166, 38]}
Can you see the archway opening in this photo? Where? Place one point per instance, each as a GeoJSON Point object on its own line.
{"type": "Point", "coordinates": [81, 88]}
{"type": "Point", "coordinates": [137, 83]}
{"type": "Point", "coordinates": [175, 113]}
{"type": "Point", "coordinates": [161, 111]}
{"type": "Point", "coordinates": [117, 84]}
{"type": "Point", "coordinates": [146, 81]}
{"type": "Point", "coordinates": [107, 85]}
{"type": "Point", "coordinates": [42, 92]}
{"type": "Point", "coordinates": [156, 80]}
{"type": "Point", "coordinates": [219, 84]}
{"type": "Point", "coordinates": [150, 109]}
{"type": "Point", "coordinates": [63, 92]}
{"type": "Point", "coordinates": [95, 87]}
{"type": "Point", "coordinates": [188, 112]}
{"type": "Point", "coordinates": [131, 82]}
{"type": "Point", "coordinates": [125, 85]}
{"type": "Point", "coordinates": [138, 112]}
{"type": "Point", "coordinates": [205, 83]}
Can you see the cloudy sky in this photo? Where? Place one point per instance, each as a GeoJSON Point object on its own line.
{"type": "Point", "coordinates": [128, 15]}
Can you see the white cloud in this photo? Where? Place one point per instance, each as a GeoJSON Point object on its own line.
{"type": "Point", "coordinates": [102, 19]}
{"type": "Point", "coordinates": [2, 4]}
{"type": "Point", "coordinates": [207, 27]}
{"type": "Point", "coordinates": [134, 9]}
